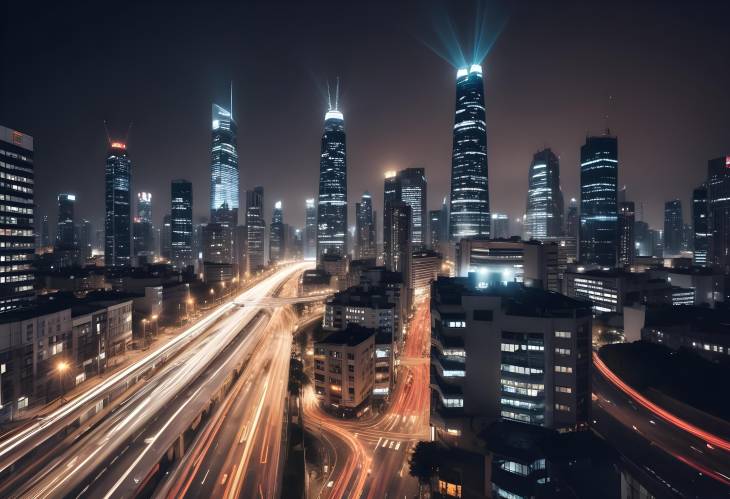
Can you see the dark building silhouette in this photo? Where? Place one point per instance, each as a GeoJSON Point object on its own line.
{"type": "Point", "coordinates": [626, 239]}
{"type": "Point", "coordinates": [673, 227]}
{"type": "Point", "coordinates": [469, 209]}
{"type": "Point", "coordinates": [310, 230]}
{"type": "Point", "coordinates": [181, 223]}
{"type": "Point", "coordinates": [700, 226]}
{"type": "Point", "coordinates": [598, 201]}
{"type": "Point", "coordinates": [718, 212]}
{"type": "Point", "coordinates": [365, 228]}
{"type": "Point", "coordinates": [255, 229]}
{"type": "Point", "coordinates": [277, 235]}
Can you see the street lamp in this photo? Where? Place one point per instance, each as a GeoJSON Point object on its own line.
{"type": "Point", "coordinates": [144, 331]}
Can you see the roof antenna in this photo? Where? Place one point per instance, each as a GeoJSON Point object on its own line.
{"type": "Point", "coordinates": [106, 130]}
{"type": "Point", "coordinates": [329, 98]}
{"type": "Point", "coordinates": [337, 95]}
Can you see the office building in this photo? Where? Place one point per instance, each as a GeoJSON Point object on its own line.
{"type": "Point", "coordinates": [718, 205]}
{"type": "Point", "coordinates": [365, 228]}
{"type": "Point", "coordinates": [45, 233]}
{"type": "Point", "coordinates": [400, 249]}
{"type": "Point", "coordinates": [142, 231]}
{"type": "Point", "coordinates": [642, 239]}
{"type": "Point", "coordinates": [277, 235]}
{"type": "Point", "coordinates": [181, 223]}
{"type": "Point", "coordinates": [503, 261]}
{"type": "Point", "coordinates": [118, 219]}
{"type": "Point", "coordinates": [700, 227]}
{"type": "Point", "coordinates": [217, 253]}
{"type": "Point", "coordinates": [544, 215]}
{"type": "Point", "coordinates": [224, 167]}
{"type": "Point", "coordinates": [165, 237]}
{"type": "Point", "coordinates": [510, 352]}
{"type": "Point", "coordinates": [255, 230]}
{"type": "Point", "coordinates": [572, 220]}
{"type": "Point", "coordinates": [17, 241]}
{"type": "Point", "coordinates": [310, 230]}
{"type": "Point", "coordinates": [344, 368]}
{"type": "Point", "coordinates": [438, 221]}
{"type": "Point", "coordinates": [66, 251]}
{"type": "Point", "coordinates": [332, 199]}
{"type": "Point", "coordinates": [425, 267]}
{"type": "Point", "coordinates": [500, 226]}
{"type": "Point", "coordinates": [598, 201]}
{"type": "Point", "coordinates": [626, 239]}
{"type": "Point", "coordinates": [85, 238]}
{"type": "Point", "coordinates": [391, 196]}
{"type": "Point", "coordinates": [469, 213]}
{"type": "Point", "coordinates": [412, 188]}
{"type": "Point", "coordinates": [673, 227]}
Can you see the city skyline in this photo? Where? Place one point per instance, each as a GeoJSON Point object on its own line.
{"type": "Point", "coordinates": [517, 123]}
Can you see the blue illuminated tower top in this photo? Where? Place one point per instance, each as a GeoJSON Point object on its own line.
{"type": "Point", "coordinates": [224, 168]}
{"type": "Point", "coordinates": [469, 214]}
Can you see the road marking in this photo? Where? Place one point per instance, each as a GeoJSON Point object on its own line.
{"type": "Point", "coordinates": [205, 477]}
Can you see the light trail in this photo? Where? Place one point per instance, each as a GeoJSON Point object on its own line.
{"type": "Point", "coordinates": [654, 408]}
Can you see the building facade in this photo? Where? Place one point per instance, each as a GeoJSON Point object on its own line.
{"type": "Point", "coordinates": [118, 220]}
{"type": "Point", "coordinates": [673, 227]}
{"type": "Point", "coordinates": [224, 167]}
{"type": "Point", "coordinates": [365, 246]}
{"type": "Point", "coordinates": [413, 190]}
{"type": "Point", "coordinates": [277, 236]}
{"type": "Point", "coordinates": [310, 230]}
{"type": "Point", "coordinates": [469, 213]}
{"type": "Point", "coordinates": [181, 223]}
{"type": "Point", "coordinates": [700, 226]}
{"type": "Point", "coordinates": [598, 201]}
{"type": "Point", "coordinates": [718, 212]}
{"type": "Point", "coordinates": [544, 214]}
{"type": "Point", "coordinates": [626, 239]}
{"type": "Point", "coordinates": [255, 230]}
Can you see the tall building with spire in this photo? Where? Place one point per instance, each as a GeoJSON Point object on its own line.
{"type": "Point", "coordinates": [332, 201]}
{"type": "Point", "coordinates": [598, 201]}
{"type": "Point", "coordinates": [118, 220]}
{"type": "Point", "coordinates": [544, 215]}
{"type": "Point", "coordinates": [224, 167]}
{"type": "Point", "coordinates": [469, 213]}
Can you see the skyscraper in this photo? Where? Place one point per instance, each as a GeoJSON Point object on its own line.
{"type": "Point", "coordinates": [598, 203]}
{"type": "Point", "coordinates": [413, 190]}
{"type": "Point", "coordinates": [118, 220]}
{"type": "Point", "coordinates": [500, 226]}
{"type": "Point", "coordinates": [142, 232]}
{"type": "Point", "coordinates": [391, 195]}
{"type": "Point", "coordinates": [277, 234]}
{"type": "Point", "coordinates": [398, 258]}
{"type": "Point", "coordinates": [256, 229]}
{"type": "Point", "coordinates": [16, 239]}
{"type": "Point", "coordinates": [365, 228]}
{"type": "Point", "coordinates": [165, 236]}
{"type": "Point", "coordinates": [626, 239]}
{"type": "Point", "coordinates": [45, 232]}
{"type": "Point", "coordinates": [65, 231]}
{"type": "Point", "coordinates": [700, 226]}
{"type": "Point", "coordinates": [181, 223]}
{"type": "Point", "coordinates": [718, 214]}
{"type": "Point", "coordinates": [544, 215]}
{"type": "Point", "coordinates": [572, 219]}
{"type": "Point", "coordinates": [224, 167]}
{"type": "Point", "coordinates": [642, 239]}
{"type": "Point", "coordinates": [85, 239]}
{"type": "Point", "coordinates": [332, 201]}
{"type": "Point", "coordinates": [310, 230]}
{"type": "Point", "coordinates": [673, 227]}
{"type": "Point", "coordinates": [469, 214]}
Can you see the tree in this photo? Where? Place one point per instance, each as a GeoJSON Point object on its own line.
{"type": "Point", "coordinates": [425, 461]}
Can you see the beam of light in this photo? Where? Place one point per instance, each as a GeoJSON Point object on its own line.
{"type": "Point", "coordinates": [662, 413]}
{"type": "Point", "coordinates": [487, 29]}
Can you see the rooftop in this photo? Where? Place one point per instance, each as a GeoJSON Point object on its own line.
{"type": "Point", "coordinates": [352, 336]}
{"type": "Point", "coordinates": [702, 319]}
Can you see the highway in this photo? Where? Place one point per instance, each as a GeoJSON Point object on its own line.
{"type": "Point", "coordinates": [369, 457]}
{"type": "Point", "coordinates": [113, 458]}
{"type": "Point", "coordinates": [239, 453]}
{"type": "Point", "coordinates": [684, 463]}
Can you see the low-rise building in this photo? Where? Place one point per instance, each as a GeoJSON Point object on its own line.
{"type": "Point", "coordinates": [506, 351]}
{"type": "Point", "coordinates": [509, 260]}
{"type": "Point", "coordinates": [336, 267]}
{"type": "Point", "coordinates": [344, 367]}
{"type": "Point", "coordinates": [610, 290]}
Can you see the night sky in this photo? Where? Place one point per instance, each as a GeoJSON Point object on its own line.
{"type": "Point", "coordinates": [67, 67]}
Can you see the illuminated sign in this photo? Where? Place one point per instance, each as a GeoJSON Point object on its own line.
{"type": "Point", "coordinates": [119, 145]}
{"type": "Point", "coordinates": [17, 137]}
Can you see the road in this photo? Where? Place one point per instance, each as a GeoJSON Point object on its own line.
{"type": "Point", "coordinates": [679, 460]}
{"type": "Point", "coordinates": [239, 454]}
{"type": "Point", "coordinates": [369, 457]}
{"type": "Point", "coordinates": [114, 457]}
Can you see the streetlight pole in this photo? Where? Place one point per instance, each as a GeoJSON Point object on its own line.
{"type": "Point", "coordinates": [144, 331]}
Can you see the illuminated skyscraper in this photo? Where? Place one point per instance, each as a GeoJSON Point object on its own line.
{"type": "Point", "coordinates": [572, 219]}
{"type": "Point", "coordinates": [45, 232]}
{"type": "Point", "coordinates": [118, 220]}
{"type": "Point", "coordinates": [310, 230]}
{"type": "Point", "coordinates": [718, 214]}
{"type": "Point", "coordinates": [626, 234]}
{"type": "Point", "coordinates": [277, 234]}
{"type": "Point", "coordinates": [181, 223]}
{"type": "Point", "coordinates": [142, 233]}
{"type": "Point", "coordinates": [500, 226]}
{"type": "Point", "coordinates": [16, 238]}
{"type": "Point", "coordinates": [332, 201]}
{"type": "Point", "coordinates": [544, 215]}
{"type": "Point", "coordinates": [224, 168]}
{"type": "Point", "coordinates": [413, 189]}
{"type": "Point", "coordinates": [700, 226]}
{"type": "Point", "coordinates": [598, 201]}
{"type": "Point", "coordinates": [469, 209]}
{"type": "Point", "coordinates": [144, 206]}
{"type": "Point", "coordinates": [85, 238]}
{"type": "Point", "coordinates": [673, 226]}
{"type": "Point", "coordinates": [364, 228]}
{"type": "Point", "coordinates": [65, 230]}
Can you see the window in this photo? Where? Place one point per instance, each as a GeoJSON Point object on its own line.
{"type": "Point", "coordinates": [456, 324]}
{"type": "Point", "coordinates": [482, 315]}
{"type": "Point", "coordinates": [562, 351]}
{"type": "Point", "coordinates": [563, 369]}
{"type": "Point", "coordinates": [563, 334]}
{"type": "Point", "coordinates": [350, 356]}
{"type": "Point", "coordinates": [562, 407]}
{"type": "Point", "coordinates": [563, 389]}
